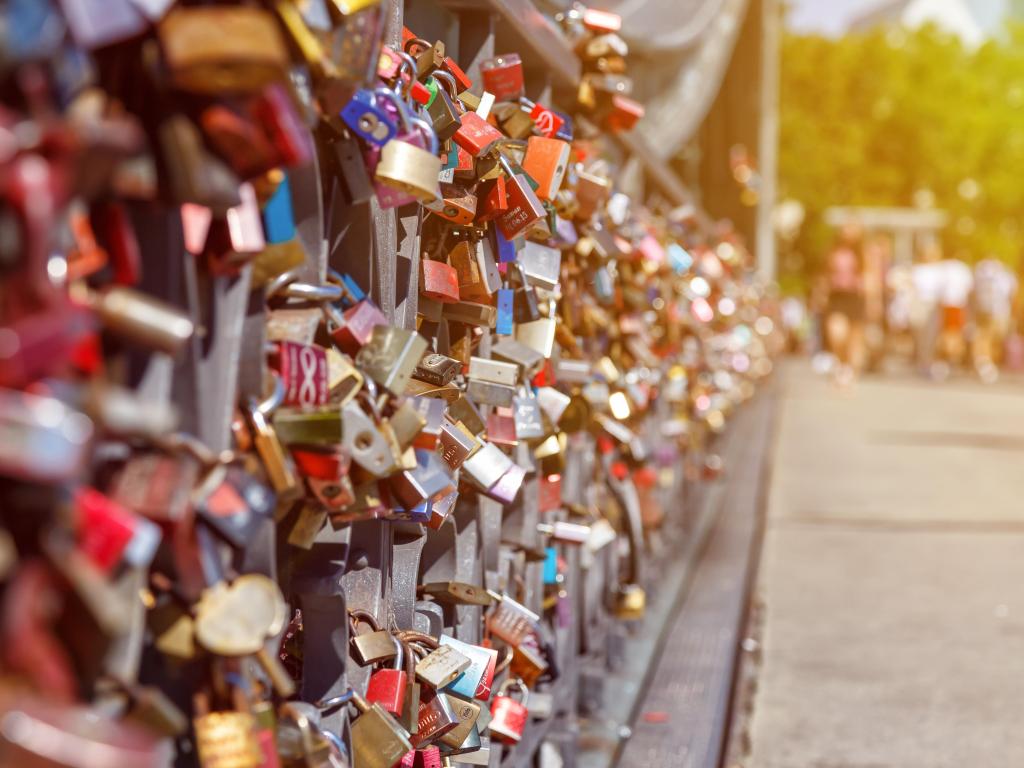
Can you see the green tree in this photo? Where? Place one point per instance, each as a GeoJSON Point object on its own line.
{"type": "Point", "coordinates": [874, 118]}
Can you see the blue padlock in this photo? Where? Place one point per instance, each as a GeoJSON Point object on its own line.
{"type": "Point", "coordinates": [678, 258]}
{"type": "Point", "coordinates": [506, 312]}
{"type": "Point", "coordinates": [550, 570]}
{"type": "Point", "coordinates": [278, 218]}
{"type": "Point", "coordinates": [504, 249]}
{"type": "Point", "coordinates": [368, 118]}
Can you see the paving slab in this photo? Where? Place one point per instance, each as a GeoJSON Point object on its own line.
{"type": "Point", "coordinates": [892, 578]}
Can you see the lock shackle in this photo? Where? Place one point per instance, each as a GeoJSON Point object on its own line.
{"type": "Point", "coordinates": [399, 653]}
{"type": "Point", "coordinates": [271, 402]}
{"type": "Point", "coordinates": [297, 716]}
{"type": "Point", "coordinates": [506, 660]}
{"type": "Point", "coordinates": [518, 684]}
{"type": "Point", "coordinates": [445, 77]}
{"type": "Point", "coordinates": [348, 697]}
{"type": "Point", "coordinates": [336, 278]}
{"type": "Point", "coordinates": [358, 616]}
{"type": "Point", "coordinates": [418, 42]}
{"type": "Point", "coordinates": [396, 98]}
{"type": "Point", "coordinates": [412, 636]}
{"type": "Point", "coordinates": [406, 64]}
{"type": "Point", "coordinates": [287, 285]}
{"type": "Point", "coordinates": [428, 131]}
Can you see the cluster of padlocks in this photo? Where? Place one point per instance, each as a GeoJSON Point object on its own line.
{"type": "Point", "coordinates": [249, 519]}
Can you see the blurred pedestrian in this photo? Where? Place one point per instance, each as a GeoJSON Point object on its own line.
{"type": "Point", "coordinates": [924, 315]}
{"type": "Point", "coordinates": [844, 317]}
{"type": "Point", "coordinates": [995, 289]}
{"type": "Point", "coordinates": [876, 257]}
{"type": "Point", "coordinates": [957, 285]}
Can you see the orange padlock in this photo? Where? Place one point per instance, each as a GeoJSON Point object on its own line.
{"type": "Point", "coordinates": [546, 161]}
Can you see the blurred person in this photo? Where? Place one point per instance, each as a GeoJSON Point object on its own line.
{"type": "Point", "coordinates": [957, 285]}
{"type": "Point", "coordinates": [795, 323]}
{"type": "Point", "coordinates": [844, 314]}
{"type": "Point", "coordinates": [995, 289]}
{"type": "Point", "coordinates": [876, 259]}
{"type": "Point", "coordinates": [1013, 357]}
{"type": "Point", "coordinates": [925, 322]}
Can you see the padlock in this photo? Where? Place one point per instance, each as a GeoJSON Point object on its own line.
{"type": "Point", "coordinates": [429, 58]}
{"type": "Point", "coordinates": [546, 161]}
{"type": "Point", "coordinates": [363, 440]}
{"type": "Point", "coordinates": [486, 466]}
{"type": "Point", "coordinates": [276, 463]}
{"type": "Point", "coordinates": [476, 135]}
{"type": "Point", "coordinates": [508, 716]}
{"type": "Point", "coordinates": [630, 602]}
{"type": "Point", "coordinates": [390, 356]}
{"type": "Point", "coordinates": [472, 282]}
{"type": "Point", "coordinates": [411, 169]}
{"type": "Point", "coordinates": [541, 265]}
{"type": "Point", "coordinates": [496, 371]}
{"type": "Point", "coordinates": [467, 712]}
{"type": "Point", "coordinates": [435, 718]}
{"type": "Point", "coordinates": [476, 681]}
{"type": "Point", "coordinates": [512, 622]}
{"type": "Point", "coordinates": [503, 76]}
{"type": "Point", "coordinates": [415, 132]}
{"type": "Point", "coordinates": [367, 118]}
{"type": "Point", "coordinates": [378, 741]}
{"type": "Point", "coordinates": [624, 114]}
{"type": "Point", "coordinates": [457, 444]}
{"type": "Point", "coordinates": [353, 329]}
{"type": "Point", "coordinates": [388, 687]}
{"type": "Point", "coordinates": [548, 121]}
{"type": "Point", "coordinates": [370, 647]}
{"type": "Point", "coordinates": [217, 49]}
{"type": "Point", "coordinates": [439, 281]}
{"type": "Point", "coordinates": [524, 207]}
{"type": "Point", "coordinates": [492, 202]}
{"type": "Point", "coordinates": [457, 205]}
{"type": "Point", "coordinates": [442, 110]}
{"type": "Point", "coordinates": [303, 369]}
{"type": "Point", "coordinates": [441, 666]}
{"type": "Point", "coordinates": [227, 740]}
{"type": "Point", "coordinates": [234, 503]}
{"type": "Point", "coordinates": [436, 369]}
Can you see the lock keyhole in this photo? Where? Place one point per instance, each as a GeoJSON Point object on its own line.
{"type": "Point", "coordinates": [364, 440]}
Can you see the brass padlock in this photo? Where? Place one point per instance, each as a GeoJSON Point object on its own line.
{"type": "Point", "coordinates": [391, 356]}
{"type": "Point", "coordinates": [412, 169]}
{"type": "Point", "coordinates": [370, 647]}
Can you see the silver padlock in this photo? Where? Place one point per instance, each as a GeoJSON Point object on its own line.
{"type": "Point", "coordinates": [441, 666]}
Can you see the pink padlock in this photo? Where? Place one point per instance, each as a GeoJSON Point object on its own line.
{"type": "Point", "coordinates": [508, 716]}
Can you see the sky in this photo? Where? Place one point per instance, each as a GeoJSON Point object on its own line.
{"type": "Point", "coordinates": [827, 16]}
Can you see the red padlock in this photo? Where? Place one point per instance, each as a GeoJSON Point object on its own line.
{"type": "Point", "coordinates": [387, 687]}
{"type": "Point", "coordinates": [508, 716]}
{"type": "Point", "coordinates": [524, 208]}
{"type": "Point", "coordinates": [476, 135]}
{"type": "Point", "coordinates": [503, 76]}
{"type": "Point", "coordinates": [625, 113]}
{"type": "Point", "coordinates": [355, 326]}
{"type": "Point", "coordinates": [439, 281]}
{"type": "Point", "coordinates": [303, 369]}
{"type": "Point", "coordinates": [493, 200]}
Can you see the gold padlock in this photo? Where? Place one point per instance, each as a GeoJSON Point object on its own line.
{"type": "Point", "coordinates": [412, 169]}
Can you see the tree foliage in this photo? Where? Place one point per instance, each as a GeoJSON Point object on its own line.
{"type": "Point", "coordinates": [879, 118]}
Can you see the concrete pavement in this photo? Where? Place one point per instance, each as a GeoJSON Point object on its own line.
{"type": "Point", "coordinates": [892, 578]}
